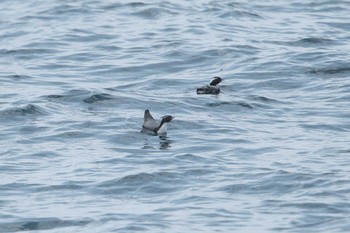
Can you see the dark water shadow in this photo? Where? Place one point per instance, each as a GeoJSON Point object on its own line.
{"type": "Point", "coordinates": [39, 224]}
{"type": "Point", "coordinates": [164, 141]}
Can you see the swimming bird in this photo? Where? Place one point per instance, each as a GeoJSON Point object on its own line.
{"type": "Point", "coordinates": [212, 88]}
{"type": "Point", "coordinates": [157, 127]}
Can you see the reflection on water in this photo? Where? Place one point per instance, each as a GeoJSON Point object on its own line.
{"type": "Point", "coordinates": [164, 143]}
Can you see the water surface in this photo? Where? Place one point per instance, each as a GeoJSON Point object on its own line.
{"type": "Point", "coordinates": [270, 153]}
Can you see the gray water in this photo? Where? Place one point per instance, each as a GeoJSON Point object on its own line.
{"type": "Point", "coordinates": [270, 153]}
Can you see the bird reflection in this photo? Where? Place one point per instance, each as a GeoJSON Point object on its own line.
{"type": "Point", "coordinates": [164, 143]}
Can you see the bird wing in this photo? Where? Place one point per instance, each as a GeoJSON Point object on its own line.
{"type": "Point", "coordinates": [215, 82]}
{"type": "Point", "coordinates": [147, 116]}
{"type": "Point", "coordinates": [149, 122]}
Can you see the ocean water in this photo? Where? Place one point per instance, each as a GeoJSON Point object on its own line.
{"type": "Point", "coordinates": [270, 153]}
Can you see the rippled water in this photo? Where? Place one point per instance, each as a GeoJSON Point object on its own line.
{"type": "Point", "coordinates": [270, 153]}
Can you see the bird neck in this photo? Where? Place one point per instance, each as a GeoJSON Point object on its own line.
{"type": "Point", "coordinates": [162, 128]}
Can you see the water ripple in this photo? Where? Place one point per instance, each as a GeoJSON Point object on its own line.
{"type": "Point", "coordinates": [29, 110]}
{"type": "Point", "coordinates": [42, 224]}
{"type": "Point", "coordinates": [269, 153]}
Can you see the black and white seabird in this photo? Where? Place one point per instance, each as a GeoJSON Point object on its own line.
{"type": "Point", "coordinates": [149, 124]}
{"type": "Point", "coordinates": [212, 88]}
